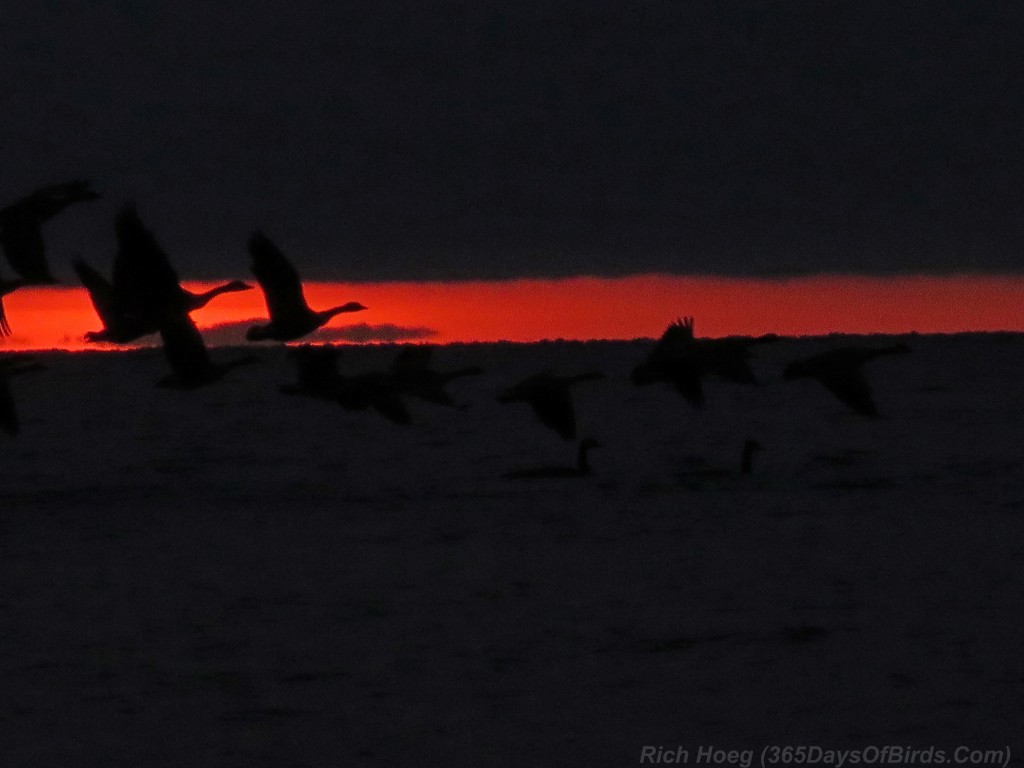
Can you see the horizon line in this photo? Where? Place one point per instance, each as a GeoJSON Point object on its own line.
{"type": "Point", "coordinates": [577, 308]}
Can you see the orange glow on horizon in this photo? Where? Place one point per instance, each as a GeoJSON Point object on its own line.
{"type": "Point", "coordinates": [578, 308]}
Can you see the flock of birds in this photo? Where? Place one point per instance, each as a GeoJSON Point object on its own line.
{"type": "Point", "coordinates": [145, 297]}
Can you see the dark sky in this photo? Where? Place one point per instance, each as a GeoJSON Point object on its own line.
{"type": "Point", "coordinates": [487, 138]}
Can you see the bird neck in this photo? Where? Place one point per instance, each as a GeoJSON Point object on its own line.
{"type": "Point", "coordinates": [205, 296]}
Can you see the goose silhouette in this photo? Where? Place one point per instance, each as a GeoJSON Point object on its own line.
{"type": "Point", "coordinates": [839, 371]}
{"type": "Point", "coordinates": [191, 366]}
{"type": "Point", "coordinates": [412, 375]}
{"type": "Point", "coordinates": [582, 468]}
{"type": "Point", "coordinates": [290, 316]}
{"type": "Point", "coordinates": [124, 328]}
{"type": "Point", "coordinates": [550, 397]}
{"type": "Point", "coordinates": [318, 377]}
{"type": "Point", "coordinates": [21, 236]}
{"type": "Point", "coordinates": [683, 361]}
{"type": "Point", "coordinates": [145, 291]}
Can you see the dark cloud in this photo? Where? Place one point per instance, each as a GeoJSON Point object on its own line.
{"type": "Point", "coordinates": [430, 139]}
{"type": "Point", "coordinates": [385, 332]}
{"type": "Point", "coordinates": [233, 334]}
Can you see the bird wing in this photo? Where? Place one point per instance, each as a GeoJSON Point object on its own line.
{"type": "Point", "coordinates": [280, 281]}
{"type": "Point", "coordinates": [5, 327]}
{"type": "Point", "coordinates": [389, 405]}
{"type": "Point", "coordinates": [22, 241]}
{"type": "Point", "coordinates": [21, 226]}
{"type": "Point", "coordinates": [101, 292]}
{"type": "Point", "coordinates": [413, 358]}
{"type": "Point", "coordinates": [8, 416]}
{"type": "Point", "coordinates": [675, 341]}
{"type": "Point", "coordinates": [145, 285]}
{"type": "Point", "coordinates": [554, 408]}
{"type": "Point", "coordinates": [46, 202]}
{"type": "Point", "coordinates": [848, 384]}
{"type": "Point", "coordinates": [686, 379]}
{"type": "Point", "coordinates": [726, 358]}
{"type": "Point", "coordinates": [184, 348]}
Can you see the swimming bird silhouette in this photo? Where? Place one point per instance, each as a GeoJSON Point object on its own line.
{"type": "Point", "coordinates": [412, 375]}
{"type": "Point", "coordinates": [839, 370]}
{"type": "Point", "coordinates": [290, 315]}
{"type": "Point", "coordinates": [698, 471]}
{"type": "Point", "coordinates": [683, 360]}
{"type": "Point", "coordinates": [582, 468]}
{"type": "Point", "coordinates": [190, 362]}
{"type": "Point", "coordinates": [318, 377]}
{"type": "Point", "coordinates": [550, 397]}
{"type": "Point", "coordinates": [21, 235]}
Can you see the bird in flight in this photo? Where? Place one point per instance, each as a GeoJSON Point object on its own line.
{"type": "Point", "coordinates": [839, 371]}
{"type": "Point", "coordinates": [290, 316]}
{"type": "Point", "coordinates": [21, 235]}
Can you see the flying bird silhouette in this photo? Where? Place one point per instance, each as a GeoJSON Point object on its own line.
{"type": "Point", "coordinates": [290, 316]}
{"type": "Point", "coordinates": [582, 468]}
{"type": "Point", "coordinates": [318, 377]}
{"type": "Point", "coordinates": [839, 370]}
{"type": "Point", "coordinates": [191, 366]}
{"type": "Point", "coordinates": [683, 360]}
{"type": "Point", "coordinates": [550, 397]}
{"type": "Point", "coordinates": [123, 321]}
{"type": "Point", "coordinates": [21, 235]}
{"type": "Point", "coordinates": [412, 375]}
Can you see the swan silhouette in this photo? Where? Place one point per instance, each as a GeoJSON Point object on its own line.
{"type": "Point", "coordinates": [144, 294]}
{"type": "Point", "coordinates": [290, 315]}
{"type": "Point", "coordinates": [550, 397]}
{"type": "Point", "coordinates": [121, 328]}
{"type": "Point", "coordinates": [412, 375]}
{"type": "Point", "coordinates": [191, 366]}
{"type": "Point", "coordinates": [582, 468]}
{"type": "Point", "coordinates": [21, 235]}
{"type": "Point", "coordinates": [318, 377]}
{"type": "Point", "coordinates": [683, 360]}
{"type": "Point", "coordinates": [839, 371]}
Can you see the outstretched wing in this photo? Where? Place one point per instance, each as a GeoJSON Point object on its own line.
{"type": "Point", "coordinates": [389, 405]}
{"type": "Point", "coordinates": [21, 226]}
{"type": "Point", "coordinates": [686, 379]}
{"type": "Point", "coordinates": [184, 349]}
{"type": "Point", "coordinates": [101, 292]}
{"type": "Point", "coordinates": [554, 408]}
{"type": "Point", "coordinates": [848, 384]}
{"type": "Point", "coordinates": [412, 359]}
{"type": "Point", "coordinates": [5, 327]}
{"type": "Point", "coordinates": [8, 416]}
{"type": "Point", "coordinates": [22, 241]}
{"type": "Point", "coordinates": [145, 285]}
{"type": "Point", "coordinates": [282, 287]}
